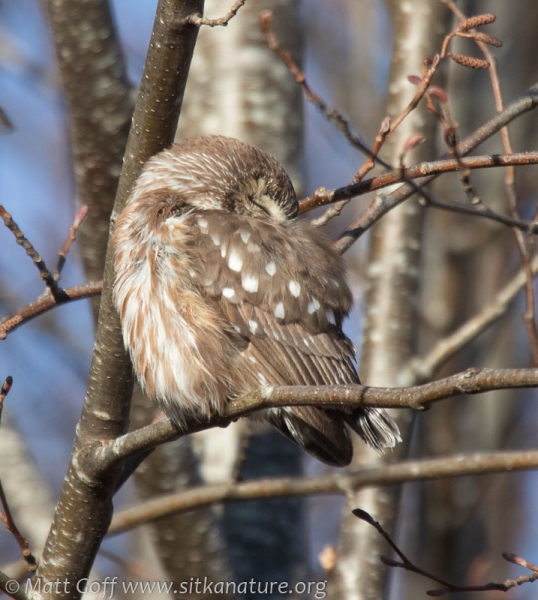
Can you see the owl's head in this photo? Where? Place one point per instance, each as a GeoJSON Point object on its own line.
{"type": "Point", "coordinates": [220, 173]}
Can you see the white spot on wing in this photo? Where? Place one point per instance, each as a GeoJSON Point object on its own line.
{"type": "Point", "coordinates": [228, 292]}
{"type": "Point", "coordinates": [245, 236]}
{"type": "Point", "coordinates": [253, 326]}
{"type": "Point", "coordinates": [237, 328]}
{"type": "Point", "coordinates": [215, 236]}
{"type": "Point", "coordinates": [203, 225]}
{"type": "Point", "coordinates": [313, 306]}
{"type": "Point", "coordinates": [295, 288]}
{"type": "Point", "coordinates": [250, 283]}
{"type": "Point", "coordinates": [330, 317]}
{"type": "Point", "coordinates": [279, 311]}
{"type": "Point", "coordinates": [270, 268]}
{"type": "Point", "coordinates": [223, 250]}
{"type": "Point", "coordinates": [235, 262]}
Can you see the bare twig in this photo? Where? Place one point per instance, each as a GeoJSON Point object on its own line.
{"type": "Point", "coordinates": [45, 303]}
{"type": "Point", "coordinates": [198, 20]}
{"type": "Point", "coordinates": [5, 513]}
{"type": "Point", "coordinates": [45, 274]}
{"type": "Point", "coordinates": [380, 139]}
{"type": "Point", "coordinates": [448, 587]}
{"type": "Point", "coordinates": [5, 124]}
{"type": "Point", "coordinates": [7, 517]}
{"type": "Point", "coordinates": [331, 114]}
{"type": "Point", "coordinates": [359, 175]}
{"type": "Point", "coordinates": [525, 250]}
{"type": "Point", "coordinates": [477, 209]}
{"type": "Point", "coordinates": [62, 255]}
{"type": "Point", "coordinates": [410, 470]}
{"type": "Point", "coordinates": [4, 391]}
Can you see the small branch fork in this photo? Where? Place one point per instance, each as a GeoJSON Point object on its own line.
{"type": "Point", "coordinates": [5, 513]}
{"type": "Point", "coordinates": [54, 295]}
{"type": "Point", "coordinates": [44, 273]}
{"type": "Point", "coordinates": [448, 588]}
{"type": "Point", "coordinates": [198, 20]}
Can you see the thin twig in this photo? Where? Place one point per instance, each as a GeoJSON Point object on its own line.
{"type": "Point", "coordinates": [524, 103]}
{"type": "Point", "coordinates": [359, 175]}
{"type": "Point", "coordinates": [331, 114]}
{"type": "Point", "coordinates": [4, 391]}
{"type": "Point", "coordinates": [525, 250]}
{"type": "Point", "coordinates": [323, 197]}
{"type": "Point", "coordinates": [198, 20]}
{"type": "Point", "coordinates": [478, 463]}
{"type": "Point", "coordinates": [7, 517]}
{"type": "Point", "coordinates": [5, 513]}
{"type": "Point", "coordinates": [448, 587]}
{"type": "Point", "coordinates": [5, 124]}
{"type": "Point", "coordinates": [62, 255]}
{"type": "Point", "coordinates": [44, 273]}
{"type": "Point", "coordinates": [478, 209]}
{"type": "Point", "coordinates": [45, 303]}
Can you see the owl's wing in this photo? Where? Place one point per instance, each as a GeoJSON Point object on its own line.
{"type": "Point", "coordinates": [282, 293]}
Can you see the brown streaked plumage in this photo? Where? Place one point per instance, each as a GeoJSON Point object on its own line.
{"type": "Point", "coordinates": [220, 290]}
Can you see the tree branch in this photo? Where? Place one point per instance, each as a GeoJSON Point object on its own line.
{"type": "Point", "coordinates": [422, 368]}
{"type": "Point", "coordinates": [85, 506]}
{"type": "Point", "coordinates": [45, 303]}
{"type": "Point", "coordinates": [22, 241]}
{"type": "Point", "coordinates": [12, 588]}
{"type": "Point", "coordinates": [471, 381]}
{"type": "Point", "coordinates": [412, 470]}
{"type": "Point", "coordinates": [447, 586]}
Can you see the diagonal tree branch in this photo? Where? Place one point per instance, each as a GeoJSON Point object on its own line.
{"type": "Point", "coordinates": [422, 368]}
{"type": "Point", "coordinates": [85, 506]}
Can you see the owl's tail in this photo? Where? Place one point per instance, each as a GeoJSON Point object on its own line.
{"type": "Point", "coordinates": [323, 433]}
{"type": "Point", "coordinates": [375, 427]}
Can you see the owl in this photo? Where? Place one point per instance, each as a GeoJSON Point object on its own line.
{"type": "Point", "coordinates": [221, 290]}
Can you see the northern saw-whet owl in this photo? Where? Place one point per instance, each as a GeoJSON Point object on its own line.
{"type": "Point", "coordinates": [221, 289]}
